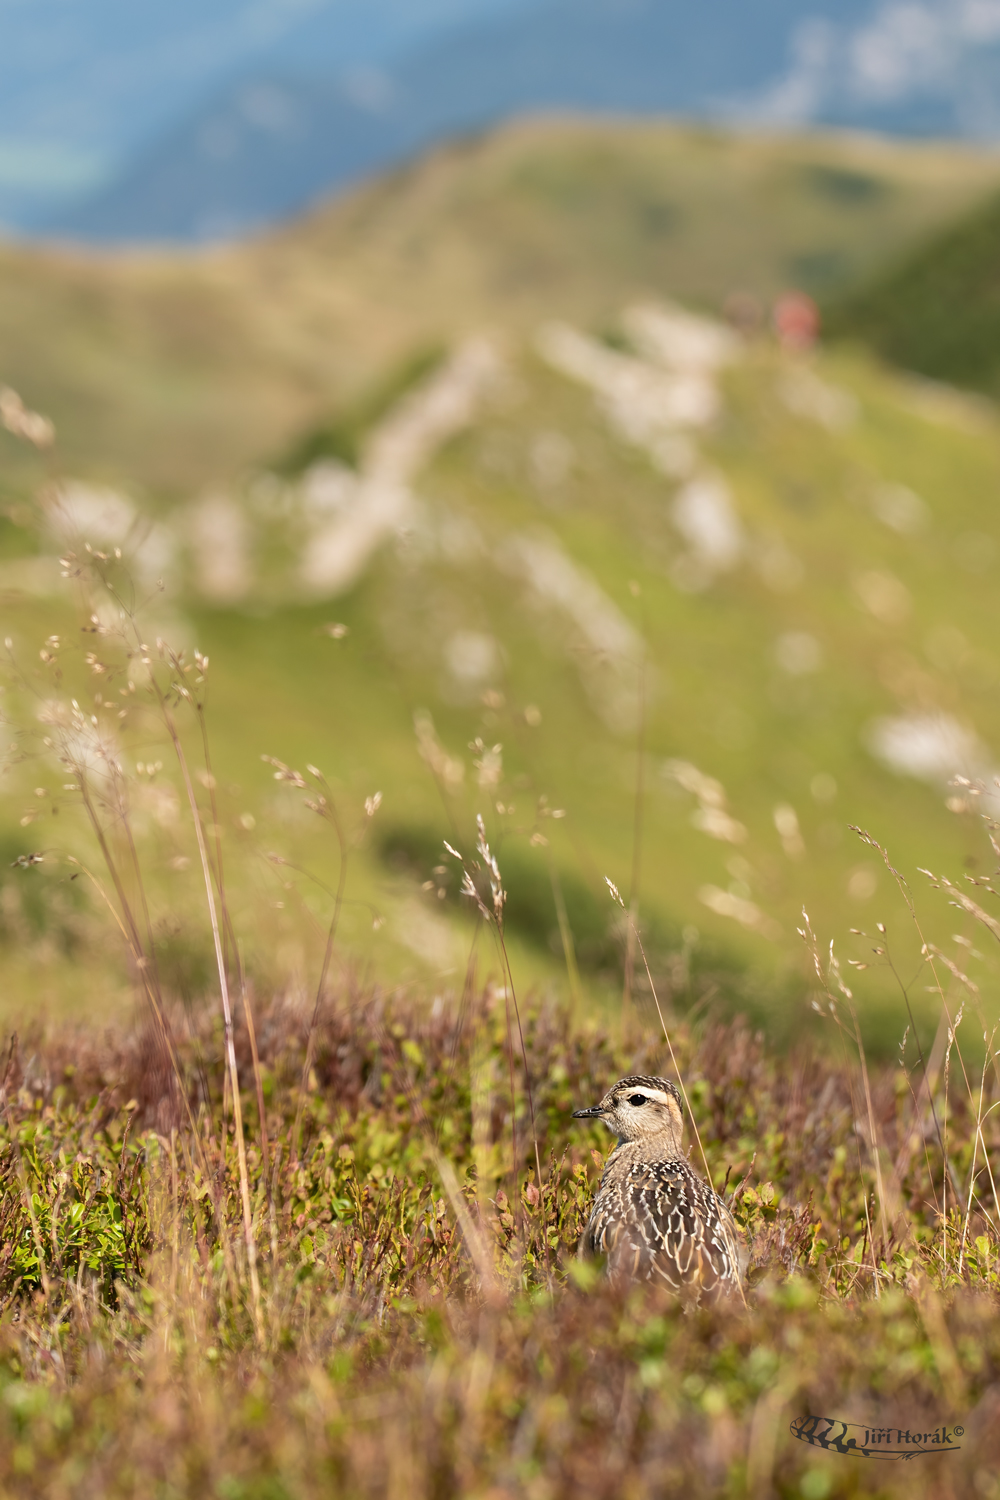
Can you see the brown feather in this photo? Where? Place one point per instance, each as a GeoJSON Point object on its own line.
{"type": "Point", "coordinates": [654, 1218]}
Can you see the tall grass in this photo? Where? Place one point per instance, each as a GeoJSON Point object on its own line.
{"type": "Point", "coordinates": [418, 1318]}
{"type": "Point", "coordinates": [296, 1247]}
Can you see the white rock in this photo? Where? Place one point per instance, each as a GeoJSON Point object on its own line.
{"type": "Point", "coordinates": [679, 340]}
{"type": "Point", "coordinates": [704, 514]}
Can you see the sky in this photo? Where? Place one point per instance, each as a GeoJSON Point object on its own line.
{"type": "Point", "coordinates": [85, 83]}
{"type": "Point", "coordinates": [94, 92]}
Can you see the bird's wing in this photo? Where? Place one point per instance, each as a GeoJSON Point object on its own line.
{"type": "Point", "coordinates": [661, 1222]}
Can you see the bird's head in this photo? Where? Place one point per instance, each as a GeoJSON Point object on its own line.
{"type": "Point", "coordinates": [639, 1108]}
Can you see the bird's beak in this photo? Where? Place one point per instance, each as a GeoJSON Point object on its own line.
{"type": "Point", "coordinates": [594, 1113]}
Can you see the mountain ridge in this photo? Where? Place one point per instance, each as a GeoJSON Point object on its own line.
{"type": "Point", "coordinates": [174, 368]}
{"type": "Point", "coordinates": [273, 142]}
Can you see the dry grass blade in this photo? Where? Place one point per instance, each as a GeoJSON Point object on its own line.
{"type": "Point", "coordinates": [480, 1252]}
{"type": "Point", "coordinates": [233, 1072]}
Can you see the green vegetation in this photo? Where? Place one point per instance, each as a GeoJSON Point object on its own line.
{"type": "Point", "coordinates": [343, 437]}
{"type": "Point", "coordinates": [177, 378]}
{"type": "Point", "coordinates": [936, 308]}
{"type": "Point", "coordinates": [170, 372]}
{"type": "Point", "coordinates": [892, 623]}
{"type": "Point", "coordinates": [322, 1236]}
{"type": "Point", "coordinates": [413, 1306]}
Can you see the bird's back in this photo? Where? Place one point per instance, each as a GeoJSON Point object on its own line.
{"type": "Point", "coordinates": [657, 1220]}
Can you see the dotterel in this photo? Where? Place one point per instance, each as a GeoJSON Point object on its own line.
{"type": "Point", "coordinates": [654, 1217]}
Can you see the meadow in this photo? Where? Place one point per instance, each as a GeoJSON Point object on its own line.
{"type": "Point", "coordinates": [262, 1244]}
{"type": "Point", "coordinates": [253, 1247]}
{"type": "Point", "coordinates": [544, 626]}
{"type": "Point", "coordinates": [171, 372]}
{"type": "Point", "coordinates": [413, 1314]}
{"type": "Point", "coordinates": [377, 593]}
{"type": "Point", "coordinates": [219, 413]}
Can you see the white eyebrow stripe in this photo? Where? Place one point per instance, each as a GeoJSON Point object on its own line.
{"type": "Point", "coordinates": [655, 1096]}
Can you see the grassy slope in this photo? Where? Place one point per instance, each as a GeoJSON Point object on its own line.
{"type": "Point", "coordinates": [172, 371]}
{"type": "Point", "coordinates": [279, 685]}
{"type": "Point", "coordinates": [720, 701]}
{"type": "Point", "coordinates": [265, 356]}
{"type": "Point", "coordinates": [936, 309]}
{"type": "Point", "coordinates": [383, 1359]}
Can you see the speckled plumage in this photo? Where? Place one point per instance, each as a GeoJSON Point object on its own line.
{"type": "Point", "coordinates": [654, 1217]}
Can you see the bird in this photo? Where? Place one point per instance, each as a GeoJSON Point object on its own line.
{"type": "Point", "coordinates": [654, 1218]}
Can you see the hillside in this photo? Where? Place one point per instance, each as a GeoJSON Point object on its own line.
{"type": "Point", "coordinates": [509, 533]}
{"type": "Point", "coordinates": [514, 587]}
{"type": "Point", "coordinates": [936, 308]}
{"type": "Point", "coordinates": [174, 371]}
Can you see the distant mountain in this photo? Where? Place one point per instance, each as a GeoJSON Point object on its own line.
{"type": "Point", "coordinates": [282, 136]}
{"type": "Point", "coordinates": [274, 141]}
{"type": "Point", "coordinates": [85, 89]}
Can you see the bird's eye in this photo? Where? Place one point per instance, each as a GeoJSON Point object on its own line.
{"type": "Point", "coordinates": [637, 1099]}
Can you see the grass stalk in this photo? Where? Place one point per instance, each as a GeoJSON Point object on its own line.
{"type": "Point", "coordinates": [327, 808]}
{"type": "Point", "coordinates": [565, 931]}
{"type": "Point", "coordinates": [666, 1034]}
{"type": "Point", "coordinates": [248, 1232]}
{"type": "Point", "coordinates": [637, 824]}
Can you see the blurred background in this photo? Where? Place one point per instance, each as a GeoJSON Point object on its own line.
{"type": "Point", "coordinates": [580, 413]}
